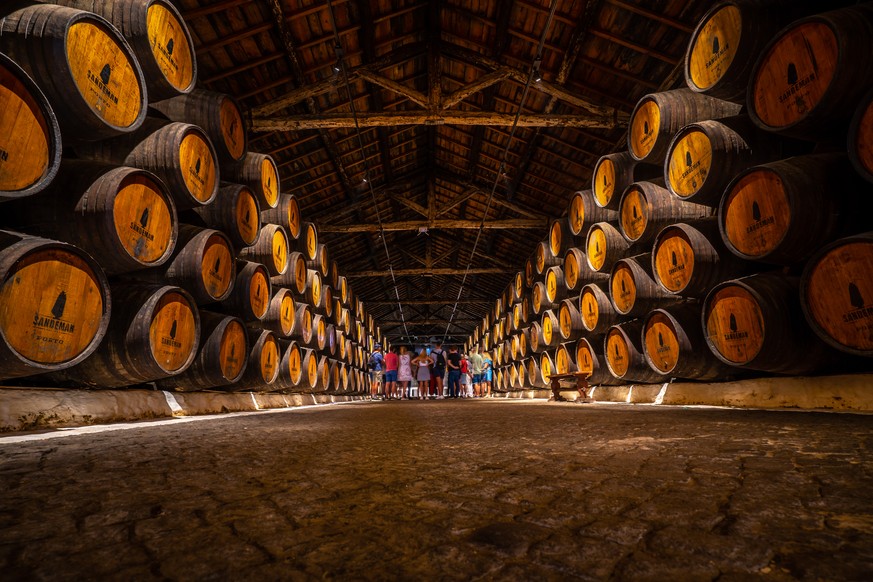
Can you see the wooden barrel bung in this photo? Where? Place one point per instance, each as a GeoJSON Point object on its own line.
{"type": "Point", "coordinates": [623, 352]}
{"type": "Point", "coordinates": [784, 211]}
{"type": "Point", "coordinates": [30, 139]}
{"type": "Point", "coordinates": [218, 114]}
{"type": "Point", "coordinates": [286, 213]}
{"type": "Point", "coordinates": [811, 75]}
{"type": "Point", "coordinates": [604, 246]}
{"type": "Point", "coordinates": [756, 323]}
{"type": "Point", "coordinates": [260, 173]}
{"type": "Point", "coordinates": [592, 362]}
{"type": "Point", "coordinates": [861, 138]}
{"type": "Point", "coordinates": [54, 305]}
{"type": "Point", "coordinates": [836, 294]}
{"type": "Point", "coordinates": [270, 249]}
{"type": "Point", "coordinates": [583, 211]}
{"type": "Point", "coordinates": [613, 173]}
{"type": "Point", "coordinates": [688, 260]}
{"type": "Point", "coordinates": [658, 116]}
{"type": "Point", "coordinates": [159, 38]}
{"type": "Point", "coordinates": [672, 339]}
{"type": "Point", "coordinates": [86, 68]}
{"type": "Point", "coordinates": [646, 208]}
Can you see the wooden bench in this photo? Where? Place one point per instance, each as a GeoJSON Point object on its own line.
{"type": "Point", "coordinates": [581, 379]}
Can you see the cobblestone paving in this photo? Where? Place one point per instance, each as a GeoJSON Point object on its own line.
{"type": "Point", "coordinates": [448, 491]}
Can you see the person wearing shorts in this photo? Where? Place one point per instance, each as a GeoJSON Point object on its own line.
{"type": "Point", "coordinates": [376, 364]}
{"type": "Point", "coordinates": [477, 364]}
{"type": "Point", "coordinates": [391, 361]}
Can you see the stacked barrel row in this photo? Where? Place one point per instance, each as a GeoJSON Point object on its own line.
{"type": "Point", "coordinates": [733, 235]}
{"type": "Point", "coordinates": [141, 241]}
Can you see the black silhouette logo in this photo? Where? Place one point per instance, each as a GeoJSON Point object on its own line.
{"type": "Point", "coordinates": [673, 257]}
{"type": "Point", "coordinates": [173, 329]}
{"type": "Point", "coordinates": [596, 247]}
{"type": "Point", "coordinates": [733, 323]}
{"type": "Point", "coordinates": [232, 350]}
{"type": "Point", "coordinates": [170, 46]}
{"type": "Point", "coordinates": [792, 74]}
{"type": "Point", "coordinates": [616, 350]}
{"type": "Point", "coordinates": [605, 183]}
{"type": "Point", "coordinates": [233, 127]}
{"type": "Point", "coordinates": [269, 182]}
{"type": "Point", "coordinates": [60, 304]}
{"type": "Point", "coordinates": [756, 211]}
{"type": "Point", "coordinates": [646, 127]}
{"type": "Point", "coordinates": [623, 288]}
{"type": "Point", "coordinates": [105, 74]}
{"type": "Point", "coordinates": [635, 212]}
{"type": "Point", "coordinates": [591, 308]}
{"type": "Point", "coordinates": [715, 46]}
{"type": "Point", "coordinates": [197, 166]}
{"type": "Point", "coordinates": [144, 219]}
{"type": "Point", "coordinates": [217, 265]}
{"type": "Point", "coordinates": [660, 339]}
{"type": "Point", "coordinates": [248, 216]}
{"type": "Point", "coordinates": [688, 159]}
{"type": "Point", "coordinates": [855, 297]}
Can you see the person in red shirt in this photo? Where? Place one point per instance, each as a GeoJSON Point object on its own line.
{"type": "Point", "coordinates": [391, 361]}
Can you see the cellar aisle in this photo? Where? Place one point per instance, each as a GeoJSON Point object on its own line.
{"type": "Point", "coordinates": [447, 490]}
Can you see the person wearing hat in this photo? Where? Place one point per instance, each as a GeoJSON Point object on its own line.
{"type": "Point", "coordinates": [375, 364]}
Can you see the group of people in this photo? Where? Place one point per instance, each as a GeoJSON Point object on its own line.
{"type": "Point", "coordinates": [437, 375]}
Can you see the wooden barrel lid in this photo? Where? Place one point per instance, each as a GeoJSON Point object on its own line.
{"type": "Point", "coordinates": [541, 257]}
{"type": "Point", "coordinates": [562, 360]}
{"type": "Point", "coordinates": [232, 351]}
{"type": "Point", "coordinates": [571, 270]}
{"type": "Point", "coordinates": [294, 218]}
{"type": "Point", "coordinates": [689, 162]}
{"type": "Point", "coordinates": [673, 259]}
{"type": "Point", "coordinates": [323, 260]}
{"type": "Point", "coordinates": [287, 311]}
{"type": "Point", "coordinates": [734, 325]}
{"type": "Point", "coordinates": [295, 364]}
{"type": "Point", "coordinates": [577, 214]}
{"type": "Point", "coordinates": [556, 236]}
{"type": "Point", "coordinates": [311, 241]}
{"type": "Point", "coordinates": [144, 219]}
{"type": "Point", "coordinates": [617, 353]}
{"type": "Point", "coordinates": [300, 273]}
{"type": "Point", "coordinates": [793, 75]}
{"type": "Point", "coordinates": [584, 357]}
{"type": "Point", "coordinates": [516, 316]}
{"type": "Point", "coordinates": [198, 164]}
{"type": "Point", "coordinates": [247, 218]}
{"type": "Point", "coordinates": [170, 45]}
{"type": "Point", "coordinates": [53, 306]}
{"type": "Point", "coordinates": [513, 347]}
{"type": "Point", "coordinates": [306, 327]}
{"type": "Point", "coordinates": [315, 291]}
{"type": "Point", "coordinates": [713, 47]}
{"type": "Point", "coordinates": [528, 272]}
{"type": "Point", "coordinates": [623, 289]}
{"type": "Point", "coordinates": [312, 369]}
{"type": "Point", "coordinates": [26, 147]}
{"type": "Point", "coordinates": [838, 294]}
{"type": "Point", "coordinates": [270, 181]}
{"type": "Point", "coordinates": [280, 250]}
{"type": "Point", "coordinates": [552, 285]}
{"type": "Point", "coordinates": [596, 248]}
{"type": "Point", "coordinates": [545, 366]}
{"type": "Point", "coordinates": [863, 139]}
{"type": "Point", "coordinates": [604, 185]}
{"type": "Point", "coordinates": [232, 128]}
{"type": "Point", "coordinates": [756, 213]}
{"type": "Point", "coordinates": [565, 319]}
{"type": "Point", "coordinates": [217, 268]}
{"type": "Point", "coordinates": [548, 330]}
{"type": "Point", "coordinates": [660, 342]}
{"type": "Point", "coordinates": [589, 308]}
{"type": "Point", "coordinates": [104, 74]}
{"type": "Point", "coordinates": [320, 331]}
{"type": "Point", "coordinates": [269, 362]}
{"type": "Point", "coordinates": [173, 332]}
{"type": "Point", "coordinates": [644, 128]}
{"type": "Point", "coordinates": [634, 213]}
{"type": "Point", "coordinates": [259, 292]}
{"type": "Point", "coordinates": [537, 297]}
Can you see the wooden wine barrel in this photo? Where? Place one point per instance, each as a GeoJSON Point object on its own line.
{"type": "Point", "coordinates": [154, 333]}
{"type": "Point", "coordinates": [565, 358]}
{"type": "Point", "coordinates": [860, 142]}
{"type": "Point", "coordinates": [290, 366]}
{"type": "Point", "coordinates": [784, 211]}
{"type": "Point", "coordinates": [810, 77]}
{"type": "Point", "coordinates": [556, 289]}
{"type": "Point", "coordinates": [688, 260]}
{"type": "Point", "coordinates": [612, 175]}
{"type": "Point", "coordinates": [646, 208]}
{"type": "Point", "coordinates": [598, 312]}
{"type": "Point", "coordinates": [591, 360]}
{"type": "Point", "coordinates": [545, 258]}
{"type": "Point", "coordinates": [310, 376]}
{"type": "Point", "coordinates": [54, 305]}
{"type": "Point", "coordinates": [836, 293]}
{"type": "Point", "coordinates": [303, 330]}
{"type": "Point", "coordinates": [124, 217]}
{"type": "Point", "coordinates": [314, 294]}
{"type": "Point", "coordinates": [705, 156]}
{"type": "Point", "coordinates": [159, 37]}
{"type": "Point", "coordinates": [286, 214]}
{"type": "Point", "coordinates": [623, 351]}
{"type": "Point", "coordinates": [604, 246]}
{"type": "Point", "coordinates": [756, 323]}
{"type": "Point", "coordinates": [658, 116]}
{"type": "Point", "coordinates": [535, 375]}
{"type": "Point", "coordinates": [264, 360]}
{"type": "Point", "coordinates": [561, 236]}
{"type": "Point", "coordinates": [221, 359]}
{"type": "Point", "coordinates": [516, 320]}
{"type": "Point", "coordinates": [180, 154]}
{"type": "Point", "coordinates": [235, 212]}
{"type": "Point", "coordinates": [260, 173]}
{"type": "Point", "coordinates": [218, 114]}
{"type": "Point", "coordinates": [321, 262]}
{"type": "Point", "coordinates": [251, 293]}
{"type": "Point", "coordinates": [308, 241]}
{"type": "Point", "coordinates": [583, 211]}
{"type": "Point", "coordinates": [513, 348]}
{"type": "Point", "coordinates": [295, 276]}
{"type": "Point", "coordinates": [30, 139]}
{"type": "Point", "coordinates": [530, 271]}
{"type": "Point", "coordinates": [202, 264]}
{"type": "Point", "coordinates": [550, 329]}
{"type": "Point", "coordinates": [672, 340]}
{"type": "Point", "coordinates": [319, 332]}
{"type": "Point", "coordinates": [577, 271]}
{"type": "Point", "coordinates": [535, 338]}
{"type": "Point", "coordinates": [281, 313]}
{"type": "Point", "coordinates": [539, 302]}
{"type": "Point", "coordinates": [570, 320]}
{"type": "Point", "coordinates": [633, 289]}
{"type": "Point", "coordinates": [324, 383]}
{"type": "Point", "coordinates": [512, 374]}
{"type": "Point", "coordinates": [270, 249]}
{"type": "Point", "coordinates": [85, 67]}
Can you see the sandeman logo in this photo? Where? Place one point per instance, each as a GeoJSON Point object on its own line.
{"type": "Point", "coordinates": [735, 334]}
{"type": "Point", "coordinates": [144, 219]}
{"type": "Point", "coordinates": [140, 228]}
{"type": "Point", "coordinates": [197, 165]}
{"type": "Point", "coordinates": [646, 127]}
{"type": "Point", "coordinates": [756, 211]}
{"type": "Point", "coordinates": [171, 341]}
{"type": "Point", "coordinates": [796, 83]}
{"type": "Point", "coordinates": [758, 223]}
{"type": "Point", "coordinates": [715, 45]}
{"type": "Point", "coordinates": [105, 74]}
{"type": "Point", "coordinates": [170, 46]}
{"type": "Point", "coordinates": [857, 301]}
{"type": "Point", "coordinates": [792, 74]}
{"type": "Point", "coordinates": [688, 161]}
{"type": "Point", "coordinates": [661, 347]}
{"type": "Point", "coordinates": [54, 322]}
{"type": "Point", "coordinates": [855, 297]}
{"type": "Point", "coordinates": [174, 329]}
{"type": "Point", "coordinates": [61, 304]}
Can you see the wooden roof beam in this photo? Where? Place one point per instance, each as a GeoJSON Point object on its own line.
{"type": "Point", "coordinates": [393, 86]}
{"type": "Point", "coordinates": [447, 224]}
{"type": "Point", "coordinates": [634, 46]}
{"type": "Point", "coordinates": [429, 272]}
{"type": "Point", "coordinates": [652, 15]}
{"type": "Point", "coordinates": [432, 302]}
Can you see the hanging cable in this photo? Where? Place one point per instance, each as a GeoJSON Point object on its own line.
{"type": "Point", "coordinates": [341, 65]}
{"type": "Point", "coordinates": [533, 76]}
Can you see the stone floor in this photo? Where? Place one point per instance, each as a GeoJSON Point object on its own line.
{"type": "Point", "coordinates": [446, 490]}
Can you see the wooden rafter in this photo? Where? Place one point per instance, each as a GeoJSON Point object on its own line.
{"type": "Point", "coordinates": [430, 272]}
{"type": "Point", "coordinates": [448, 224]}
